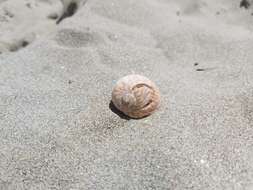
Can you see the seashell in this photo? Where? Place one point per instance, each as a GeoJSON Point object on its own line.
{"type": "Point", "coordinates": [136, 96]}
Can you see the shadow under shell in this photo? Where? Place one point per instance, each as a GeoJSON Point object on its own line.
{"type": "Point", "coordinates": [118, 112]}
{"type": "Point", "coordinates": [121, 114]}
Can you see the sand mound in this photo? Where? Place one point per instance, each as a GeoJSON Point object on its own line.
{"type": "Point", "coordinates": [35, 19]}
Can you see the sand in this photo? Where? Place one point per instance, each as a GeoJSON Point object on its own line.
{"type": "Point", "coordinates": [57, 130]}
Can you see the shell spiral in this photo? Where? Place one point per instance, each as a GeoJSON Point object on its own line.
{"type": "Point", "coordinates": [136, 96]}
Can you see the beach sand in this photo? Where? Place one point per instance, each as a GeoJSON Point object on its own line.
{"type": "Point", "coordinates": [57, 129]}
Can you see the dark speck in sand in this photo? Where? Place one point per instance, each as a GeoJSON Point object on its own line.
{"type": "Point", "coordinates": [53, 16]}
{"type": "Point", "coordinates": [28, 5]}
{"type": "Point", "coordinates": [245, 4]}
{"type": "Point", "coordinates": [200, 69]}
{"type": "Point", "coordinates": [24, 43]}
{"type": "Point", "coordinates": [24, 173]}
{"type": "Point", "coordinates": [9, 14]}
{"type": "Point", "coordinates": [206, 69]}
{"type": "Point", "coordinates": [195, 64]}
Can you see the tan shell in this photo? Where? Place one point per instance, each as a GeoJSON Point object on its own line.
{"type": "Point", "coordinates": [136, 96]}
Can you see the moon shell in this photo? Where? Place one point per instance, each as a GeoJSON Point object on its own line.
{"type": "Point", "coordinates": [136, 96]}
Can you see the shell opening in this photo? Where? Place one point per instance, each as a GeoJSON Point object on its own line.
{"type": "Point", "coordinates": [146, 105]}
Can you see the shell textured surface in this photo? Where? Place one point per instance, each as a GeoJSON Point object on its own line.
{"type": "Point", "coordinates": [136, 96]}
